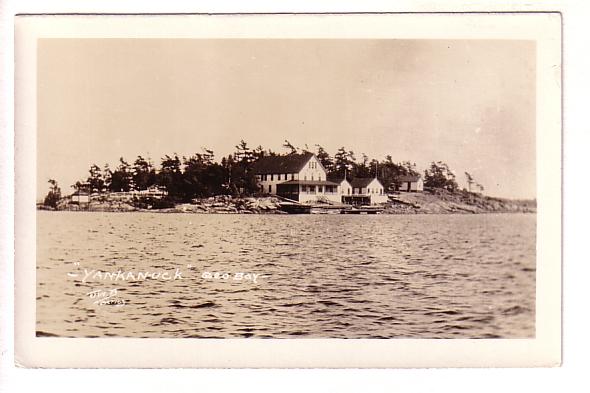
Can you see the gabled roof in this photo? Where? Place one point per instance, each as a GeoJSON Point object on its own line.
{"type": "Point", "coordinates": [410, 178]}
{"type": "Point", "coordinates": [291, 163]}
{"type": "Point", "coordinates": [362, 182]}
{"type": "Point", "coordinates": [337, 180]}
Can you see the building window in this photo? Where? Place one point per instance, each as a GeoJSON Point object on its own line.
{"type": "Point", "coordinates": [312, 177]}
{"type": "Point", "coordinates": [320, 189]}
{"type": "Point", "coordinates": [272, 177]}
{"type": "Point", "coordinates": [304, 188]}
{"type": "Point", "coordinates": [304, 177]}
{"type": "Point", "coordinates": [292, 176]}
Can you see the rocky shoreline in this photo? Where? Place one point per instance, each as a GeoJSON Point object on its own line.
{"type": "Point", "coordinates": [431, 202]}
{"type": "Point", "coordinates": [460, 202]}
{"type": "Point", "coordinates": [222, 204]}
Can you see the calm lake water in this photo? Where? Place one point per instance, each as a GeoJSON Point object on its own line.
{"type": "Point", "coordinates": [285, 276]}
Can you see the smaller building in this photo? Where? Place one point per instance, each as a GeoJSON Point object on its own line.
{"type": "Point", "coordinates": [154, 192]}
{"type": "Point", "coordinates": [344, 186]}
{"type": "Point", "coordinates": [365, 191]}
{"type": "Point", "coordinates": [410, 183]}
{"type": "Point", "coordinates": [82, 193]}
{"type": "Point", "coordinates": [81, 197]}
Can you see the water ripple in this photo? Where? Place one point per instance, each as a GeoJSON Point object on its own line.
{"type": "Point", "coordinates": [320, 276]}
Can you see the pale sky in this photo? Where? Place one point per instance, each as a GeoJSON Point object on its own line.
{"type": "Point", "coordinates": [469, 103]}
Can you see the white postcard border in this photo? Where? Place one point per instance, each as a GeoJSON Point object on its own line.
{"type": "Point", "coordinates": [544, 350]}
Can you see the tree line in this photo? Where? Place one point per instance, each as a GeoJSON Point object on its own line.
{"type": "Point", "coordinates": [344, 163]}
{"type": "Point", "coordinates": [200, 175]}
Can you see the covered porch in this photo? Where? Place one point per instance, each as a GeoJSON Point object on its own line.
{"type": "Point", "coordinates": [306, 190]}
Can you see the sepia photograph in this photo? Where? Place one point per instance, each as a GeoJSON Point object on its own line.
{"type": "Point", "coordinates": [287, 187]}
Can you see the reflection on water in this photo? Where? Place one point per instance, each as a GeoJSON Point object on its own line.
{"type": "Point", "coordinates": [317, 276]}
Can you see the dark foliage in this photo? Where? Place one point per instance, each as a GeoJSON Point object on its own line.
{"type": "Point", "coordinates": [440, 176]}
{"type": "Point", "coordinates": [53, 196]}
{"type": "Point", "coordinates": [200, 176]}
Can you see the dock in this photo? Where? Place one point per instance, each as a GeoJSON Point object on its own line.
{"type": "Point", "coordinates": [295, 208]}
{"type": "Point", "coordinates": [300, 208]}
{"type": "Point", "coordinates": [363, 210]}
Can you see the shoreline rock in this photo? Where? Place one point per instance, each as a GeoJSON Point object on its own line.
{"type": "Point", "coordinates": [427, 202]}
{"type": "Point", "coordinates": [460, 202]}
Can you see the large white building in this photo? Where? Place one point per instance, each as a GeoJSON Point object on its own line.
{"type": "Point", "coordinates": [302, 178]}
